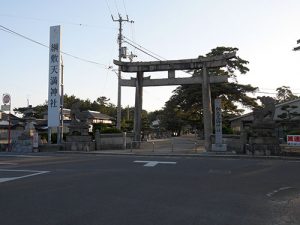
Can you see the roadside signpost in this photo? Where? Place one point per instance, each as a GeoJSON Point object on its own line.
{"type": "Point", "coordinates": [6, 107]}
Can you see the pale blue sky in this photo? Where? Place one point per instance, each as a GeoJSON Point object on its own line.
{"type": "Point", "coordinates": [265, 31]}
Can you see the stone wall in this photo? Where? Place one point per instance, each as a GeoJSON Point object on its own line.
{"type": "Point", "coordinates": [113, 141]}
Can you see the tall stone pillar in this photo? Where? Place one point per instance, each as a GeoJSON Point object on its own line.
{"type": "Point", "coordinates": [138, 107]}
{"type": "Point", "coordinates": [207, 110]}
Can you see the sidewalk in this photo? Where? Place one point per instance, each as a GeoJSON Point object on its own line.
{"type": "Point", "coordinates": [183, 146]}
{"type": "Point", "coordinates": [198, 153]}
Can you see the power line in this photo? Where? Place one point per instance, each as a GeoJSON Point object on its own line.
{"type": "Point", "coordinates": [5, 29]}
{"type": "Point", "coordinates": [60, 22]}
{"type": "Point", "coordinates": [108, 7]}
{"type": "Point", "coordinates": [272, 93]}
{"type": "Point", "coordinates": [264, 92]}
{"type": "Point", "coordinates": [133, 35]}
{"type": "Point", "coordinates": [144, 48]}
{"type": "Point", "coordinates": [143, 51]}
{"type": "Point", "coordinates": [125, 7]}
{"type": "Point", "coordinates": [22, 36]}
{"type": "Point", "coordinates": [116, 5]}
{"type": "Point", "coordinates": [146, 51]}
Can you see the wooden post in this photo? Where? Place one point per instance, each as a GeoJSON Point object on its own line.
{"type": "Point", "coordinates": [207, 110]}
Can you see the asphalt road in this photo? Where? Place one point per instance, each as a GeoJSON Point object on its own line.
{"type": "Point", "coordinates": [59, 189]}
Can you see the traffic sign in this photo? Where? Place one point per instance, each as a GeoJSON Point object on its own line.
{"type": "Point", "coordinates": [5, 108]}
{"type": "Point", "coordinates": [6, 99]}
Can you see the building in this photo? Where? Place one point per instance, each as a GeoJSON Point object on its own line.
{"type": "Point", "coordinates": [93, 117]}
{"type": "Point", "coordinates": [9, 123]}
{"type": "Point", "coordinates": [285, 113]}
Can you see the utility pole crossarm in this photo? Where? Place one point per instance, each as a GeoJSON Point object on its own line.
{"type": "Point", "coordinates": [298, 47]}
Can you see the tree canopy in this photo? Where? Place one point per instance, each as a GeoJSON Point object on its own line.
{"type": "Point", "coordinates": [185, 105]}
{"type": "Point", "coordinates": [101, 104]}
{"type": "Point", "coordinates": [285, 94]}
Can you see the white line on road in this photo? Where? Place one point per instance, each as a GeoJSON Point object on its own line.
{"type": "Point", "coordinates": [33, 173]}
{"type": "Point", "coordinates": [270, 194]}
{"type": "Point", "coordinates": [154, 163]}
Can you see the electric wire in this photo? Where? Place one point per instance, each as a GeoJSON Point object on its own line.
{"type": "Point", "coordinates": [60, 22]}
{"type": "Point", "coordinates": [148, 52]}
{"type": "Point", "coordinates": [142, 50]}
{"type": "Point", "coordinates": [116, 5]}
{"type": "Point", "coordinates": [133, 42]}
{"type": "Point", "coordinates": [133, 35]}
{"type": "Point", "coordinates": [5, 29]}
{"type": "Point", "coordinates": [108, 7]}
{"type": "Point", "coordinates": [125, 7]}
{"type": "Point", "coordinates": [272, 93]}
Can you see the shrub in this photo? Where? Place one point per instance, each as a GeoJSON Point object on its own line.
{"type": "Point", "coordinates": [110, 130]}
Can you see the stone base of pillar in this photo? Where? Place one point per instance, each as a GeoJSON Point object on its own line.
{"type": "Point", "coordinates": [219, 147]}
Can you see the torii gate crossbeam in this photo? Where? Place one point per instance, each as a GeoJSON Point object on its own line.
{"type": "Point", "coordinates": [171, 66]}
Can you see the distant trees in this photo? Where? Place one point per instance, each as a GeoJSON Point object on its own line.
{"type": "Point", "coordinates": [285, 94]}
{"type": "Point", "coordinates": [37, 111]}
{"type": "Point", "coordinates": [101, 104]}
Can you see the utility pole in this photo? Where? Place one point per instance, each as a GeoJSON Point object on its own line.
{"type": "Point", "coordinates": [120, 38]}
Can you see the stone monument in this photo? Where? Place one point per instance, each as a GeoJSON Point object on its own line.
{"type": "Point", "coordinates": [261, 136]}
{"type": "Point", "coordinates": [218, 146]}
{"type": "Point", "coordinates": [24, 143]}
{"type": "Point", "coordinates": [78, 138]}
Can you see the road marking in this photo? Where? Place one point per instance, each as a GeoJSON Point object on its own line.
{"type": "Point", "coordinates": [33, 173]}
{"type": "Point", "coordinates": [270, 194]}
{"type": "Point", "coordinates": [154, 163]}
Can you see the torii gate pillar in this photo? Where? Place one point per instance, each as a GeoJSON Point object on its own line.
{"type": "Point", "coordinates": [138, 107]}
{"type": "Point", "coordinates": [207, 109]}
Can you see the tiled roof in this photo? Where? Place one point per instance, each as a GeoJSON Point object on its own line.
{"type": "Point", "coordinates": [97, 115]}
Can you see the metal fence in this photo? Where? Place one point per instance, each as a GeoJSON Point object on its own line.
{"type": "Point", "coordinates": [178, 144]}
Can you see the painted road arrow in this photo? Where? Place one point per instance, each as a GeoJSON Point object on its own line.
{"type": "Point", "coordinates": [154, 163]}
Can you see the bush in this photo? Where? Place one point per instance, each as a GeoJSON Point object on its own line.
{"type": "Point", "coordinates": [110, 130]}
{"type": "Point", "coordinates": [105, 129]}
{"type": "Point", "coordinates": [227, 130]}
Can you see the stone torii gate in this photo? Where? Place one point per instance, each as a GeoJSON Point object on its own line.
{"type": "Point", "coordinates": [204, 63]}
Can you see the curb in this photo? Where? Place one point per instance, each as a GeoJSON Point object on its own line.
{"type": "Point", "coordinates": [192, 155]}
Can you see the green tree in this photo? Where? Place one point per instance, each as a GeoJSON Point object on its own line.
{"type": "Point", "coordinates": [285, 94]}
{"type": "Point", "coordinates": [36, 111]}
{"type": "Point", "coordinates": [101, 104]}
{"type": "Point", "coordinates": [185, 105]}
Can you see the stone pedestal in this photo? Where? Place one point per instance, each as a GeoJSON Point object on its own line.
{"type": "Point", "coordinates": [79, 143]}
{"type": "Point", "coordinates": [263, 146]}
{"type": "Point", "coordinates": [79, 138]}
{"type": "Point", "coordinates": [24, 142]}
{"type": "Point", "coordinates": [219, 147]}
